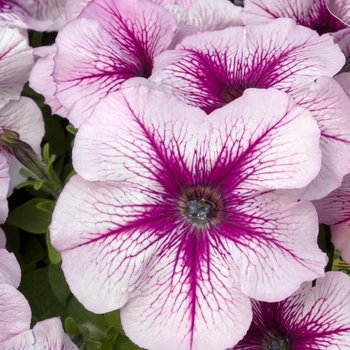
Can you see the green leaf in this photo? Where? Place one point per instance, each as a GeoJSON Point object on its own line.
{"type": "Point", "coordinates": [112, 319]}
{"type": "Point", "coordinates": [83, 316]}
{"type": "Point", "coordinates": [44, 304]}
{"type": "Point", "coordinates": [71, 326]}
{"type": "Point", "coordinates": [54, 255]}
{"type": "Point", "coordinates": [55, 135]}
{"type": "Point", "coordinates": [70, 128]}
{"type": "Point", "coordinates": [29, 217]}
{"type": "Point", "coordinates": [47, 206]}
{"type": "Point", "coordinates": [124, 343]}
{"type": "Point", "coordinates": [58, 283]}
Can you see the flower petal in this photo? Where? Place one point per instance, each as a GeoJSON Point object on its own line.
{"type": "Point", "coordinates": [330, 106]}
{"type": "Point", "coordinates": [15, 313]}
{"type": "Point", "coordinates": [20, 14]}
{"type": "Point", "coordinates": [10, 271]}
{"type": "Point", "coordinates": [41, 79]}
{"type": "Point", "coordinates": [16, 61]}
{"type": "Point", "coordinates": [211, 69]}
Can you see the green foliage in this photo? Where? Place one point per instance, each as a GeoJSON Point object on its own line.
{"type": "Point", "coordinates": [30, 217]}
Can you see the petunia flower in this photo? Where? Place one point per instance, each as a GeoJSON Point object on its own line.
{"type": "Point", "coordinates": [210, 70]}
{"type": "Point", "coordinates": [173, 218]}
{"type": "Point", "coordinates": [315, 317]}
{"type": "Point", "coordinates": [112, 42]}
{"type": "Point", "coordinates": [15, 315]}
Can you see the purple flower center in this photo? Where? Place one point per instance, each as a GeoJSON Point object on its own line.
{"type": "Point", "coordinates": [201, 205]}
{"type": "Point", "coordinates": [200, 210]}
{"type": "Point", "coordinates": [229, 93]}
{"type": "Point", "coordinates": [279, 344]}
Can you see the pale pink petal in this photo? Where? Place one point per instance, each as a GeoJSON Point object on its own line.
{"type": "Point", "coordinates": [10, 271]}
{"type": "Point", "coordinates": [46, 335]}
{"type": "Point", "coordinates": [344, 80]}
{"type": "Point", "coordinates": [41, 79]}
{"type": "Point", "coordinates": [51, 10]}
{"type": "Point", "coordinates": [20, 14]}
{"type": "Point", "coordinates": [16, 62]}
{"type": "Point", "coordinates": [330, 106]}
{"type": "Point", "coordinates": [211, 69]}
{"type": "Point", "coordinates": [183, 3]}
{"type": "Point", "coordinates": [25, 118]}
{"type": "Point", "coordinates": [208, 15]}
{"type": "Point", "coordinates": [258, 249]}
{"type": "Point", "coordinates": [15, 313]}
{"type": "Point", "coordinates": [187, 298]}
{"type": "Point", "coordinates": [340, 9]}
{"type": "Point", "coordinates": [106, 49]}
{"type": "Point", "coordinates": [73, 8]}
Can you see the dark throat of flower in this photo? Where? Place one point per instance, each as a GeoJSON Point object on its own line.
{"type": "Point", "coordinates": [276, 340]}
{"type": "Point", "coordinates": [201, 205]}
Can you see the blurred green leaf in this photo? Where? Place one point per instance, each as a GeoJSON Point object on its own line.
{"type": "Point", "coordinates": [54, 255]}
{"type": "Point", "coordinates": [71, 326]}
{"type": "Point", "coordinates": [58, 283]}
{"type": "Point", "coordinates": [47, 206]}
{"type": "Point", "coordinates": [124, 343]}
{"type": "Point", "coordinates": [55, 135]}
{"type": "Point", "coordinates": [29, 217]}
{"type": "Point", "coordinates": [36, 288]}
{"type": "Point", "coordinates": [112, 319]}
{"type": "Point", "coordinates": [83, 316]}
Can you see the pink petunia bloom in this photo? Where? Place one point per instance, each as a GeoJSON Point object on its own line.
{"type": "Point", "coordinates": [314, 317]}
{"type": "Point", "coordinates": [209, 70]}
{"type": "Point", "coordinates": [112, 42]}
{"type": "Point", "coordinates": [173, 216]}
{"type": "Point", "coordinates": [15, 315]}
{"type": "Point", "coordinates": [334, 211]}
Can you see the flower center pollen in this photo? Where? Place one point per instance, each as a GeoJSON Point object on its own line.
{"type": "Point", "coordinates": [279, 344]}
{"type": "Point", "coordinates": [199, 210]}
